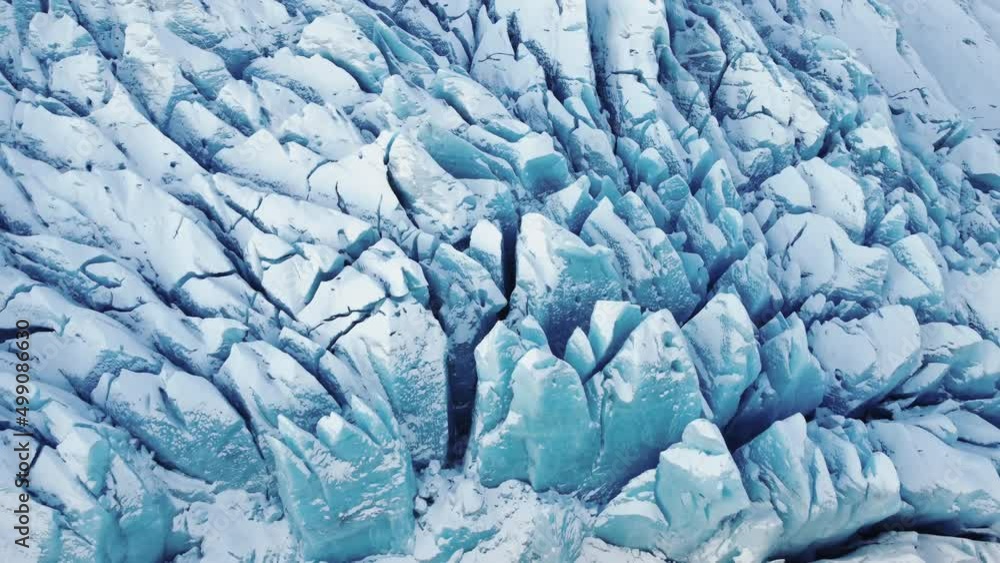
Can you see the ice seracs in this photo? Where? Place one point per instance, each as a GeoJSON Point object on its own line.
{"type": "Point", "coordinates": [348, 488]}
{"type": "Point", "coordinates": [689, 507]}
{"type": "Point", "coordinates": [403, 348]}
{"type": "Point", "coordinates": [822, 479]}
{"type": "Point", "coordinates": [885, 349]}
{"type": "Point", "coordinates": [550, 280]}
{"type": "Point", "coordinates": [560, 277]}
{"type": "Point", "coordinates": [724, 349]}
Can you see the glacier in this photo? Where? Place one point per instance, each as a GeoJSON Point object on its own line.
{"type": "Point", "coordinates": [475, 281]}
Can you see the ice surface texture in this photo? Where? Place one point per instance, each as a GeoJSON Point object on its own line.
{"type": "Point", "coordinates": [503, 280]}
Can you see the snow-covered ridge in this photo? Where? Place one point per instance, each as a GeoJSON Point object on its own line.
{"type": "Point", "coordinates": [503, 280]}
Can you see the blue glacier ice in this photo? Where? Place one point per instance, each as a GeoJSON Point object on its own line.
{"type": "Point", "coordinates": [567, 281]}
{"type": "Point", "coordinates": [691, 506]}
